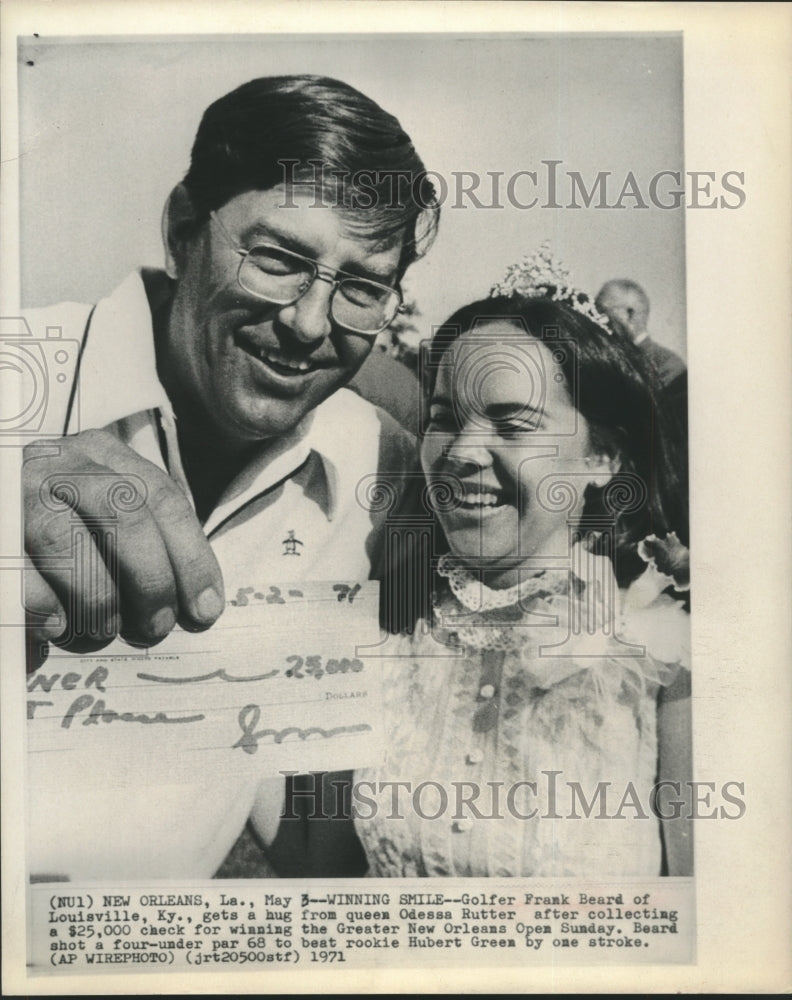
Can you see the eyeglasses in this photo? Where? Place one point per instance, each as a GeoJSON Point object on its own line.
{"type": "Point", "coordinates": [282, 277]}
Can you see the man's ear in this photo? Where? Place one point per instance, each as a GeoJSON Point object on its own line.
{"type": "Point", "coordinates": [602, 467]}
{"type": "Point", "coordinates": [178, 223]}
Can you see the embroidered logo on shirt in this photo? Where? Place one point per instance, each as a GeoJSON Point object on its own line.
{"type": "Point", "coordinates": [290, 545]}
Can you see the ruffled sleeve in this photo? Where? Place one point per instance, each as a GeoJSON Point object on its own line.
{"type": "Point", "coordinates": [612, 638]}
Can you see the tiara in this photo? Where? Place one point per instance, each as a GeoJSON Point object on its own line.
{"type": "Point", "coordinates": [542, 276]}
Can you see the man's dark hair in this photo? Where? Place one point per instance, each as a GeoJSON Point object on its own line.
{"type": "Point", "coordinates": [317, 132]}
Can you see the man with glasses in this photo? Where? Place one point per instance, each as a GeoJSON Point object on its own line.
{"type": "Point", "coordinates": [218, 384]}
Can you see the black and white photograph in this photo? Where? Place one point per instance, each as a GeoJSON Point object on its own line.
{"type": "Point", "coordinates": [362, 430]}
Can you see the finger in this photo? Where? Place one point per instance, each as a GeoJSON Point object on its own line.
{"type": "Point", "coordinates": [196, 572]}
{"type": "Point", "coordinates": [134, 552]}
{"type": "Point", "coordinates": [45, 618]}
{"type": "Point", "coordinates": [118, 576]}
{"type": "Point", "coordinates": [199, 580]}
{"type": "Point", "coordinates": [64, 552]}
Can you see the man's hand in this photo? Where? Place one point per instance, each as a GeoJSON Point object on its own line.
{"type": "Point", "coordinates": [113, 546]}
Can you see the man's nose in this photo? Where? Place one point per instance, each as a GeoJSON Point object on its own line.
{"type": "Point", "coordinates": [309, 317]}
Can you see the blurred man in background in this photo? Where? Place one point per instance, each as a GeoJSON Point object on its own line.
{"type": "Point", "coordinates": [626, 305]}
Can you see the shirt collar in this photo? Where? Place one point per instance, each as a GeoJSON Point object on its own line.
{"type": "Point", "coordinates": [319, 432]}
{"type": "Point", "coordinates": [118, 378]}
{"type": "Point", "coordinates": [118, 369]}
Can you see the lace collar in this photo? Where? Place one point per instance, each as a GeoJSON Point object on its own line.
{"type": "Point", "coordinates": [470, 614]}
{"type": "Point", "coordinates": [473, 594]}
{"type": "Point", "coordinates": [565, 620]}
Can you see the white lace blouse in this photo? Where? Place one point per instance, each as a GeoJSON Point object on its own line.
{"type": "Point", "coordinates": [524, 726]}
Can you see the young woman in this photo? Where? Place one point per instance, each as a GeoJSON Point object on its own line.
{"type": "Point", "coordinates": [537, 722]}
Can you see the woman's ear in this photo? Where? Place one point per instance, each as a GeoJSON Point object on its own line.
{"type": "Point", "coordinates": [178, 222]}
{"type": "Point", "coordinates": [601, 468]}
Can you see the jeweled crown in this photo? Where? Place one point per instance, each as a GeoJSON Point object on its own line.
{"type": "Point", "coordinates": [542, 276]}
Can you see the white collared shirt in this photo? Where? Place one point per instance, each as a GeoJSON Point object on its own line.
{"type": "Point", "coordinates": [304, 488]}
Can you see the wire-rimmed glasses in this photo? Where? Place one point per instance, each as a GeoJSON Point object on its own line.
{"type": "Point", "coordinates": [270, 272]}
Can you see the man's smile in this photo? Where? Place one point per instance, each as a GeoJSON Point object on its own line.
{"type": "Point", "coordinates": [271, 355]}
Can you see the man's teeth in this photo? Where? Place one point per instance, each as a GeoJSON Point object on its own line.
{"type": "Point", "coordinates": [482, 499]}
{"type": "Point", "coordinates": [282, 362]}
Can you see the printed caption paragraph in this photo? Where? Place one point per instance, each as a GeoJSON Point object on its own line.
{"type": "Point", "coordinates": [91, 929]}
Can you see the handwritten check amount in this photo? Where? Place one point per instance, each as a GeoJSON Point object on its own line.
{"type": "Point", "coordinates": [281, 682]}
